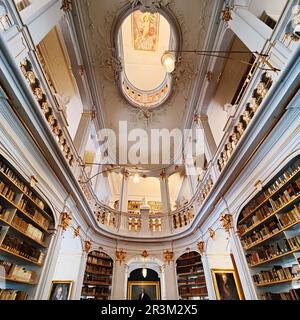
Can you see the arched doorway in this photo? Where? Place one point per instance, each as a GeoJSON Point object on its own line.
{"type": "Point", "coordinates": [144, 284]}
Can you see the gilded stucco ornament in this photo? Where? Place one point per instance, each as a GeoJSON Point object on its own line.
{"type": "Point", "coordinates": [87, 245]}
{"type": "Point", "coordinates": [66, 5]}
{"type": "Point", "coordinates": [76, 232]}
{"type": "Point", "coordinates": [121, 255]}
{"type": "Point", "coordinates": [211, 232]}
{"type": "Point", "coordinates": [226, 220]}
{"type": "Point", "coordinates": [201, 247]}
{"type": "Point", "coordinates": [65, 220]}
{"type": "Point", "coordinates": [149, 5]}
{"type": "Point", "coordinates": [145, 254]}
{"type": "Point", "coordinates": [226, 14]}
{"type": "Point", "coordinates": [168, 256]}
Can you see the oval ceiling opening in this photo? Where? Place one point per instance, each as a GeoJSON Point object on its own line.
{"type": "Point", "coordinates": [145, 38]}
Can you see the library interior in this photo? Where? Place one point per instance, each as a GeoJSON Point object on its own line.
{"type": "Point", "coordinates": [107, 193]}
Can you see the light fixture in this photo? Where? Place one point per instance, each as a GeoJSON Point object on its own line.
{"type": "Point", "coordinates": [136, 178]}
{"type": "Point", "coordinates": [168, 59]}
{"type": "Point", "coordinates": [144, 272]}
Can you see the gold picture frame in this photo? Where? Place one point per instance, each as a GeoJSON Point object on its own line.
{"type": "Point", "coordinates": [152, 286]}
{"type": "Point", "coordinates": [227, 284]}
{"type": "Point", "coordinates": [65, 292]}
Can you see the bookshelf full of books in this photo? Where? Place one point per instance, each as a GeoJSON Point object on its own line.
{"type": "Point", "coordinates": [269, 228]}
{"type": "Point", "coordinates": [98, 277]}
{"type": "Point", "coordinates": [190, 277]}
{"type": "Point", "coordinates": [25, 221]}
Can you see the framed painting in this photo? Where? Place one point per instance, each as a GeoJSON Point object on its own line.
{"type": "Point", "coordinates": [227, 285]}
{"type": "Point", "coordinates": [147, 290]}
{"type": "Point", "coordinates": [145, 30]}
{"type": "Point", "coordinates": [60, 290]}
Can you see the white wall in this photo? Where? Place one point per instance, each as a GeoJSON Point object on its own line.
{"type": "Point", "coordinates": [272, 7]}
{"type": "Point", "coordinates": [68, 267]}
{"type": "Point", "coordinates": [218, 251]}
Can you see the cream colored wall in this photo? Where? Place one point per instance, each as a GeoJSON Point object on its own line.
{"type": "Point", "coordinates": [272, 7]}
{"type": "Point", "coordinates": [218, 251]}
{"type": "Point", "coordinates": [62, 78]}
{"type": "Point", "coordinates": [69, 263]}
{"type": "Point", "coordinates": [229, 82]}
{"type": "Point", "coordinates": [148, 188]}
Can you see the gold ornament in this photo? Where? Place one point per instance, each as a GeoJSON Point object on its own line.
{"type": "Point", "coordinates": [168, 255]}
{"type": "Point", "coordinates": [200, 246]}
{"type": "Point", "coordinates": [226, 220]}
{"type": "Point", "coordinates": [226, 14]}
{"type": "Point", "coordinates": [66, 5]}
{"type": "Point", "coordinates": [121, 255]}
{"type": "Point", "coordinates": [77, 232]}
{"type": "Point", "coordinates": [65, 220]}
{"type": "Point", "coordinates": [212, 233]}
{"type": "Point", "coordinates": [87, 246]}
{"type": "Point", "coordinates": [145, 254]}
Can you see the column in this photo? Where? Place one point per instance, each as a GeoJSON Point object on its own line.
{"type": "Point", "coordinates": [208, 277]}
{"type": "Point", "coordinates": [256, 35]}
{"type": "Point", "coordinates": [123, 201]}
{"type": "Point", "coordinates": [171, 281]}
{"type": "Point", "coordinates": [242, 267]}
{"type": "Point", "coordinates": [49, 269]}
{"type": "Point", "coordinates": [120, 275]}
{"type": "Point", "coordinates": [163, 282]}
{"type": "Point", "coordinates": [209, 140]}
{"type": "Point", "coordinates": [144, 222]}
{"type": "Point", "coordinates": [80, 278]}
{"type": "Point", "coordinates": [82, 134]}
{"type": "Point", "coordinates": [165, 196]}
{"type": "Point", "coordinates": [251, 31]}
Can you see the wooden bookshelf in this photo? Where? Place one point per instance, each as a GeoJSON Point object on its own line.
{"type": "Point", "coordinates": [98, 277]}
{"type": "Point", "coordinates": [269, 228]}
{"type": "Point", "coordinates": [24, 237]}
{"type": "Point", "coordinates": [190, 277]}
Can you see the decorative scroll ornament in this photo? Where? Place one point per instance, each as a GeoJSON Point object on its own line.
{"type": "Point", "coordinates": [168, 256]}
{"type": "Point", "coordinates": [65, 220]}
{"type": "Point", "coordinates": [209, 76]}
{"type": "Point", "coordinates": [77, 232]}
{"type": "Point", "coordinates": [201, 246]}
{"type": "Point", "coordinates": [211, 232]}
{"type": "Point", "coordinates": [66, 5]}
{"type": "Point", "coordinates": [121, 255]}
{"type": "Point", "coordinates": [33, 181]}
{"type": "Point", "coordinates": [145, 254]}
{"type": "Point", "coordinates": [150, 5]}
{"type": "Point", "coordinates": [226, 220]}
{"type": "Point", "coordinates": [87, 246]}
{"type": "Point", "coordinates": [226, 14]}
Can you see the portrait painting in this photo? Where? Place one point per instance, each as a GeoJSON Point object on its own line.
{"type": "Point", "coordinates": [145, 30]}
{"type": "Point", "coordinates": [143, 290]}
{"type": "Point", "coordinates": [60, 290]}
{"type": "Point", "coordinates": [227, 286]}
